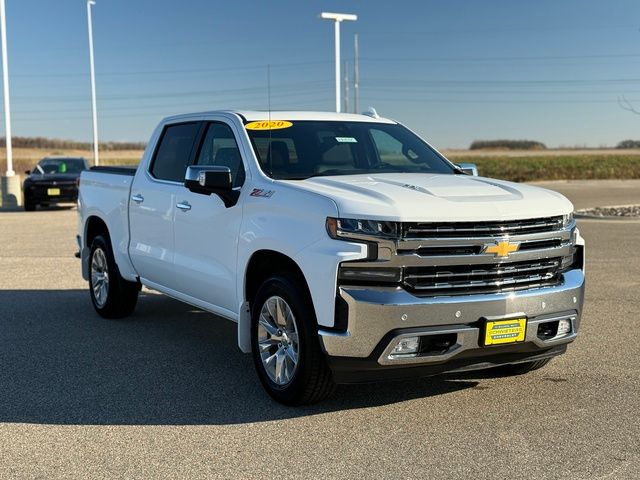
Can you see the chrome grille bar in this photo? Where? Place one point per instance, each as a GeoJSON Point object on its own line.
{"type": "Point", "coordinates": [485, 229]}
{"type": "Point", "coordinates": [502, 270]}
{"type": "Point", "coordinates": [452, 281]}
{"type": "Point", "coordinates": [487, 283]}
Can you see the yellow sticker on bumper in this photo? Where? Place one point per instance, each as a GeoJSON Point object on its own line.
{"type": "Point", "coordinates": [268, 125]}
{"type": "Point", "coordinates": [505, 331]}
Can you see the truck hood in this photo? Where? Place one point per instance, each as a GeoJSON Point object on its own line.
{"type": "Point", "coordinates": [435, 197]}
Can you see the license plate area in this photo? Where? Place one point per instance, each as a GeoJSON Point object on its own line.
{"type": "Point", "coordinates": [53, 192]}
{"type": "Point", "coordinates": [504, 331]}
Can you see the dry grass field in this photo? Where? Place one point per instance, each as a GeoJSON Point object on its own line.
{"type": "Point", "coordinates": [551, 152]}
{"type": "Point", "coordinates": [516, 165]}
{"type": "Point", "coordinates": [527, 166]}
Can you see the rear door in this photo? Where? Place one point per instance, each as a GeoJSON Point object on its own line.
{"type": "Point", "coordinates": [152, 203]}
{"type": "Point", "coordinates": [206, 232]}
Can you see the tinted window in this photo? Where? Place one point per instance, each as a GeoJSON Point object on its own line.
{"type": "Point", "coordinates": [220, 148]}
{"type": "Point", "coordinates": [312, 148]}
{"type": "Point", "coordinates": [172, 156]}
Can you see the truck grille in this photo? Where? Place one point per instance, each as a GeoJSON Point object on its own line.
{"type": "Point", "coordinates": [481, 229]}
{"type": "Point", "coordinates": [487, 278]}
{"type": "Point", "coordinates": [445, 259]}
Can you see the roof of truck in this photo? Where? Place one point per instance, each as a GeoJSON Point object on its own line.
{"type": "Point", "coordinates": [304, 115]}
{"type": "Point", "coordinates": [253, 115]}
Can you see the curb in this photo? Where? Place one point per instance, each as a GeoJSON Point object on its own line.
{"type": "Point", "coordinates": [581, 214]}
{"type": "Point", "coordinates": [608, 218]}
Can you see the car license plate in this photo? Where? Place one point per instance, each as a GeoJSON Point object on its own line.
{"type": "Point", "coordinates": [499, 332]}
{"type": "Point", "coordinates": [52, 192]}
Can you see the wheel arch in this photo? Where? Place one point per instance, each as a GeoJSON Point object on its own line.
{"type": "Point", "coordinates": [93, 226]}
{"type": "Point", "coordinates": [262, 264]}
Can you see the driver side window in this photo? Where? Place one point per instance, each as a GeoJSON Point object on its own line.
{"type": "Point", "coordinates": [219, 148]}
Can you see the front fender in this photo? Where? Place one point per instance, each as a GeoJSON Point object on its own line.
{"type": "Point", "coordinates": [291, 221]}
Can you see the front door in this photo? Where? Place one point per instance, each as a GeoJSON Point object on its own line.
{"type": "Point", "coordinates": [206, 232]}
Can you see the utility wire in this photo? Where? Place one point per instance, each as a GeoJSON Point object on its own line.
{"type": "Point", "coordinates": [259, 67]}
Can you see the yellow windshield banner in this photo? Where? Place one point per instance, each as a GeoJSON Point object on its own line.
{"type": "Point", "coordinates": [268, 125]}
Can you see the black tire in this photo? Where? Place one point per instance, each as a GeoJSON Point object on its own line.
{"type": "Point", "coordinates": [311, 380]}
{"type": "Point", "coordinates": [121, 295]}
{"type": "Point", "coordinates": [29, 206]}
{"type": "Point", "coordinates": [522, 368]}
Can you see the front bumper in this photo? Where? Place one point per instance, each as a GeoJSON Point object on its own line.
{"type": "Point", "coordinates": [378, 316]}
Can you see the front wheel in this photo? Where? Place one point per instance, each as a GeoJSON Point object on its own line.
{"type": "Point", "coordinates": [29, 205]}
{"type": "Point", "coordinates": [112, 296]}
{"type": "Point", "coordinates": [285, 347]}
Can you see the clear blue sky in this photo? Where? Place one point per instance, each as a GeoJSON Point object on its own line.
{"type": "Point", "coordinates": [455, 71]}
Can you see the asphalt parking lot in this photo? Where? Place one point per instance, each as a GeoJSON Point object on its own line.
{"type": "Point", "coordinates": [166, 393]}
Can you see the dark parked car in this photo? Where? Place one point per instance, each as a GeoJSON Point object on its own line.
{"type": "Point", "coordinates": [53, 180]}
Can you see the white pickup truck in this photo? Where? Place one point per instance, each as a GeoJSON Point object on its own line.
{"type": "Point", "coordinates": [345, 248]}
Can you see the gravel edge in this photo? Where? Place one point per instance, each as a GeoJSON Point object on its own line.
{"type": "Point", "coordinates": [614, 212]}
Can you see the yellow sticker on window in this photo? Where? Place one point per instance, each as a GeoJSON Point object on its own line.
{"type": "Point", "coordinates": [268, 125]}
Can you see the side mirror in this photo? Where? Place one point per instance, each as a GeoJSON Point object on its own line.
{"type": "Point", "coordinates": [469, 169]}
{"type": "Point", "coordinates": [212, 179]}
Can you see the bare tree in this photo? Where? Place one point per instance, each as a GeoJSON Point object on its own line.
{"type": "Point", "coordinates": [626, 105]}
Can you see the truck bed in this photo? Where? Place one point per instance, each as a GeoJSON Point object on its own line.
{"type": "Point", "coordinates": [117, 170]}
{"type": "Point", "coordinates": [104, 193]}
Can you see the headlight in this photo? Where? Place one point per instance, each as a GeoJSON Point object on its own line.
{"type": "Point", "coordinates": [347, 227]}
{"type": "Point", "coordinates": [567, 219]}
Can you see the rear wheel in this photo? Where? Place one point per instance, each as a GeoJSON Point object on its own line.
{"type": "Point", "coordinates": [522, 368]}
{"type": "Point", "coordinates": [112, 296]}
{"type": "Point", "coordinates": [285, 347]}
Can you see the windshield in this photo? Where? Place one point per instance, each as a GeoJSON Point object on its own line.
{"type": "Point", "coordinates": [304, 149]}
{"type": "Point", "coordinates": [60, 165]}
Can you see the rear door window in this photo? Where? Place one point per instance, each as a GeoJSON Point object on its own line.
{"type": "Point", "coordinates": [174, 151]}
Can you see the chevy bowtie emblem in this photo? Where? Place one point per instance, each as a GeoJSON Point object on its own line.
{"type": "Point", "coordinates": [502, 248]}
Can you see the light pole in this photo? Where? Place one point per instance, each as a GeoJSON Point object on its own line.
{"type": "Point", "coordinates": [96, 160]}
{"type": "Point", "coordinates": [10, 195]}
{"type": "Point", "coordinates": [338, 18]}
{"type": "Point", "coordinates": [5, 85]}
{"type": "Point", "coordinates": [356, 75]}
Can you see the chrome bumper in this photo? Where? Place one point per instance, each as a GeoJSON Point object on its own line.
{"type": "Point", "coordinates": [378, 316]}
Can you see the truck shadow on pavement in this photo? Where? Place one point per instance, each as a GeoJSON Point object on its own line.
{"type": "Point", "coordinates": [169, 364]}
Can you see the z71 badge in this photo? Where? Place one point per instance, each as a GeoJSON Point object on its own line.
{"type": "Point", "coordinates": [258, 192]}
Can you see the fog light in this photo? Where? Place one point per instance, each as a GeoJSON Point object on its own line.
{"type": "Point", "coordinates": [406, 346]}
{"type": "Point", "coordinates": [564, 327]}
{"type": "Point", "coordinates": [381, 275]}
{"type": "Point", "coordinates": [567, 262]}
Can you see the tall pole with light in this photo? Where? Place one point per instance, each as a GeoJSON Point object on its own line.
{"type": "Point", "coordinates": [338, 18]}
{"type": "Point", "coordinates": [356, 75]}
{"type": "Point", "coordinates": [10, 183]}
{"type": "Point", "coordinates": [96, 160]}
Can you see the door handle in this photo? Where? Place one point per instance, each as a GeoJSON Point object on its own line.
{"type": "Point", "coordinates": [184, 206]}
{"type": "Point", "coordinates": [137, 198]}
